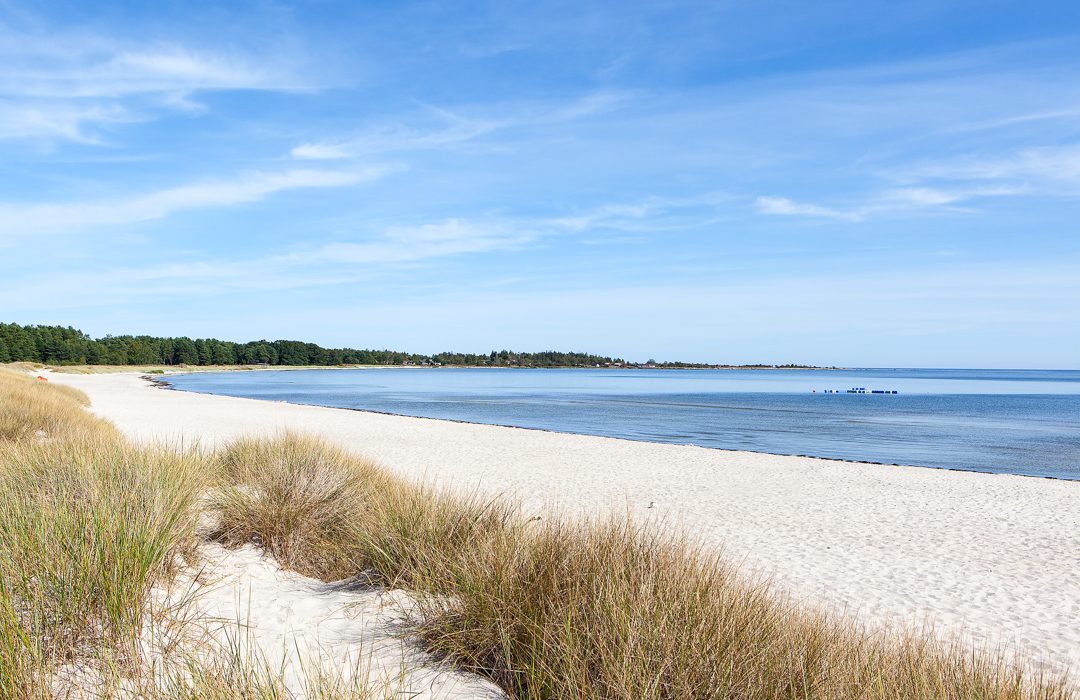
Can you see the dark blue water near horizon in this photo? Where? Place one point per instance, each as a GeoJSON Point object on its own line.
{"type": "Point", "coordinates": [1008, 421]}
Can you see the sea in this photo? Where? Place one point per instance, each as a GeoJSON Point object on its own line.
{"type": "Point", "coordinates": [1007, 421]}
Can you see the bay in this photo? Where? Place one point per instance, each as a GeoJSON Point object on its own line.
{"type": "Point", "coordinates": [1009, 421]}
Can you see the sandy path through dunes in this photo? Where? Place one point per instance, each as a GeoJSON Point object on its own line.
{"type": "Point", "coordinates": [996, 556]}
{"type": "Point", "coordinates": [243, 603]}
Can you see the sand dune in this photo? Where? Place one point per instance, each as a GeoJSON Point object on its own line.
{"type": "Point", "coordinates": [994, 557]}
{"type": "Point", "coordinates": [243, 602]}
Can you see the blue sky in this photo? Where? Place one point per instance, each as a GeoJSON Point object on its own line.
{"type": "Point", "coordinates": [854, 183]}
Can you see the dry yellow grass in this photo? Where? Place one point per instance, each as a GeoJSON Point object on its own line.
{"type": "Point", "coordinates": [301, 500]}
{"type": "Point", "coordinates": [31, 409]}
{"type": "Point", "coordinates": [231, 675]}
{"type": "Point", "coordinates": [612, 610]}
{"type": "Point", "coordinates": [553, 609]}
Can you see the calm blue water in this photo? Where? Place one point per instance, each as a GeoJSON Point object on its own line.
{"type": "Point", "coordinates": [1014, 421]}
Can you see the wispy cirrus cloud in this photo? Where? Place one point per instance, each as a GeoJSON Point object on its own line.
{"type": "Point", "coordinates": [1057, 165]}
{"type": "Point", "coordinates": [453, 131]}
{"type": "Point", "coordinates": [63, 86]}
{"type": "Point", "coordinates": [66, 121]}
{"type": "Point", "coordinates": [893, 201]}
{"type": "Point", "coordinates": [458, 236]}
{"type": "Point", "coordinates": [343, 261]}
{"type": "Point", "coordinates": [26, 219]}
{"type": "Point", "coordinates": [783, 206]}
{"type": "Point", "coordinates": [439, 128]}
{"type": "Point", "coordinates": [68, 66]}
{"type": "Point", "coordinates": [313, 267]}
{"type": "Point", "coordinates": [934, 133]}
{"type": "Point", "coordinates": [651, 214]}
{"type": "Point", "coordinates": [951, 183]}
{"type": "Point", "coordinates": [404, 244]}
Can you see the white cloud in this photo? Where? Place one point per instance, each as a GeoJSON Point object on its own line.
{"type": "Point", "coordinates": [338, 262]}
{"type": "Point", "coordinates": [920, 197]}
{"type": "Point", "coordinates": [1048, 165]}
{"type": "Point", "coordinates": [321, 151]}
{"type": "Point", "coordinates": [648, 215]}
{"type": "Point", "coordinates": [894, 201]}
{"type": "Point", "coordinates": [81, 67]}
{"type": "Point", "coordinates": [477, 50]}
{"type": "Point", "coordinates": [923, 196]}
{"type": "Point", "coordinates": [1068, 114]}
{"type": "Point", "coordinates": [64, 121]}
{"type": "Point", "coordinates": [589, 105]}
{"type": "Point", "coordinates": [399, 244]}
{"type": "Point", "coordinates": [783, 206]}
{"type": "Point", "coordinates": [397, 138]}
{"type": "Point", "coordinates": [325, 265]}
{"type": "Point", "coordinates": [18, 219]}
{"type": "Point", "coordinates": [452, 129]}
{"type": "Point", "coordinates": [59, 86]}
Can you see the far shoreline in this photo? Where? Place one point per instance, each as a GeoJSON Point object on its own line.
{"type": "Point", "coordinates": [207, 369]}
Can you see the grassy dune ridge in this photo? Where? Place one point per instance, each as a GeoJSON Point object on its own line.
{"type": "Point", "coordinates": [89, 524]}
{"type": "Point", "coordinates": [547, 608]}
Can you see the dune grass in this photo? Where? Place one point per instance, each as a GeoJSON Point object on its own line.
{"type": "Point", "coordinates": [32, 409]}
{"type": "Point", "coordinates": [614, 610]}
{"type": "Point", "coordinates": [331, 515]}
{"type": "Point", "coordinates": [300, 500]}
{"type": "Point", "coordinates": [558, 609]}
{"type": "Point", "coordinates": [87, 527]}
{"type": "Point", "coordinates": [231, 674]}
{"type": "Point", "coordinates": [88, 524]}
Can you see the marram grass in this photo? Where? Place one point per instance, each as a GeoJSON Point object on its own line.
{"type": "Point", "coordinates": [33, 410]}
{"type": "Point", "coordinates": [88, 523]}
{"type": "Point", "coordinates": [596, 610]}
{"type": "Point", "coordinates": [87, 527]}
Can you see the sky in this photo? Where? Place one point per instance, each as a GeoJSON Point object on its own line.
{"type": "Point", "coordinates": [836, 183]}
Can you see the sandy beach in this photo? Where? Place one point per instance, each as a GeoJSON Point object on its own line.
{"type": "Point", "coordinates": [995, 558]}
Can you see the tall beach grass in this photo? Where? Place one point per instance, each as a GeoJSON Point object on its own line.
{"type": "Point", "coordinates": [31, 410]}
{"type": "Point", "coordinates": [88, 523]}
{"type": "Point", "coordinates": [565, 609]}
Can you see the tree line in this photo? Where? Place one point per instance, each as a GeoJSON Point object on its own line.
{"type": "Point", "coordinates": [58, 345]}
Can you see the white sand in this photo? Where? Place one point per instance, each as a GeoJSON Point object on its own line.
{"type": "Point", "coordinates": [238, 602]}
{"type": "Point", "coordinates": [308, 635]}
{"type": "Point", "coordinates": [996, 557]}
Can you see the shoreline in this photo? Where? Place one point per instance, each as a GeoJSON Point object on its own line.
{"type": "Point", "coordinates": [166, 385]}
{"type": "Point", "coordinates": [195, 369]}
{"type": "Point", "coordinates": [995, 560]}
{"type": "Point", "coordinates": [168, 370]}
